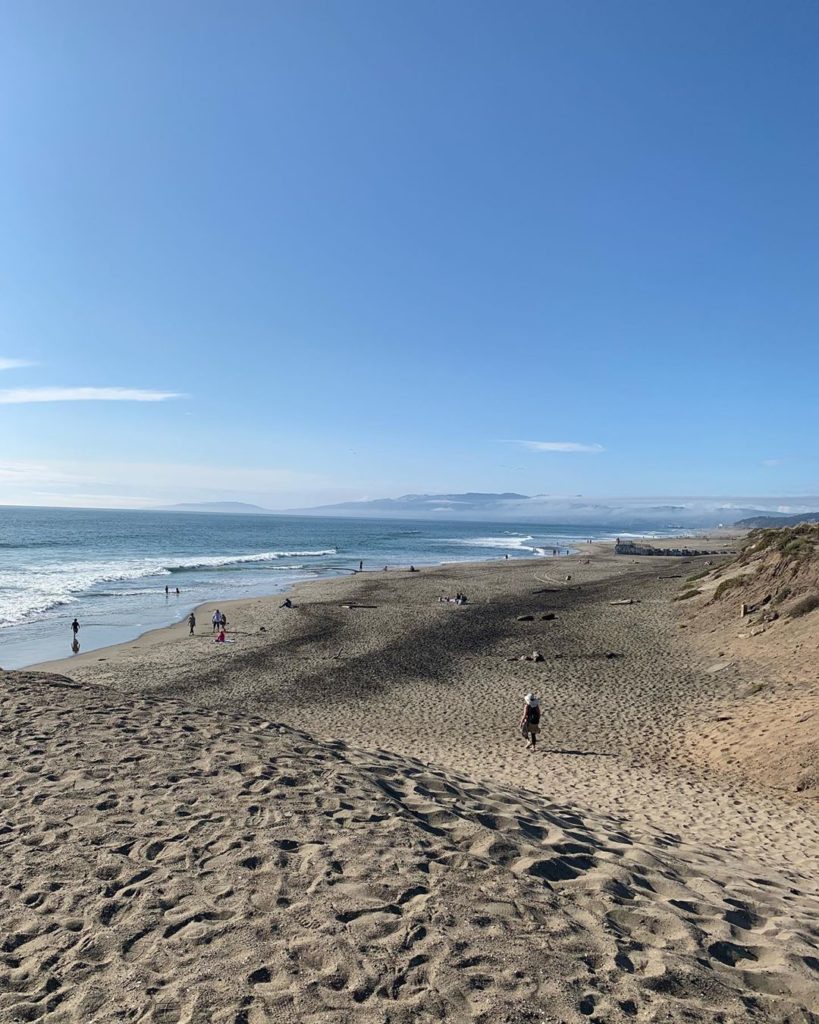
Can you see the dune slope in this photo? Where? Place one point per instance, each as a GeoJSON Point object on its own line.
{"type": "Point", "coordinates": [165, 863]}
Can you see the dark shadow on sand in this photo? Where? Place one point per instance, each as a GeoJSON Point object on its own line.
{"type": "Point", "coordinates": [575, 753]}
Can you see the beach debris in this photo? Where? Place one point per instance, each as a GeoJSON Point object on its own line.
{"type": "Point", "coordinates": [673, 576]}
{"type": "Point", "coordinates": [262, 629]}
{"type": "Point", "coordinates": [612, 654]}
{"type": "Point", "coordinates": [525, 618]}
{"type": "Point", "coordinates": [548, 616]}
{"type": "Point", "coordinates": [534, 656]}
{"type": "Point", "coordinates": [568, 577]}
{"type": "Point", "coordinates": [545, 590]}
{"type": "Point", "coordinates": [626, 600]}
{"type": "Point", "coordinates": [359, 606]}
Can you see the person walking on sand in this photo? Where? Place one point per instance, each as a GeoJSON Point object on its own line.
{"type": "Point", "coordinates": [216, 620]}
{"type": "Point", "coordinates": [192, 623]}
{"type": "Point", "coordinates": [530, 720]}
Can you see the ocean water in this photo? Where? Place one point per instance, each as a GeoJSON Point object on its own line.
{"type": "Point", "coordinates": [110, 568]}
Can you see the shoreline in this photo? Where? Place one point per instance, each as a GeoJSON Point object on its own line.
{"type": "Point", "coordinates": [204, 611]}
{"type": "Point", "coordinates": [209, 605]}
{"type": "Point", "coordinates": [343, 573]}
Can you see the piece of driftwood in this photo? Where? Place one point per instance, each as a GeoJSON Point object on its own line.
{"type": "Point", "coordinates": [626, 600]}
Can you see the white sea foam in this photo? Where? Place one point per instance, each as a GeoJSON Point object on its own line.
{"type": "Point", "coordinates": [30, 592]}
{"type": "Point", "coordinates": [216, 561]}
{"type": "Point", "coordinates": [509, 542]}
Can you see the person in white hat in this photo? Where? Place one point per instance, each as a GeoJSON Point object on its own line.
{"type": "Point", "coordinates": [530, 720]}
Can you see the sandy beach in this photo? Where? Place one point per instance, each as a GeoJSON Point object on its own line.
{"type": "Point", "coordinates": [334, 817]}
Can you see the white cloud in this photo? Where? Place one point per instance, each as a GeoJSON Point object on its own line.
{"type": "Point", "coordinates": [137, 484]}
{"type": "Point", "coordinates": [771, 463]}
{"type": "Point", "coordinates": [560, 446]}
{"type": "Point", "coordinates": [13, 364]}
{"type": "Point", "coordinates": [21, 396]}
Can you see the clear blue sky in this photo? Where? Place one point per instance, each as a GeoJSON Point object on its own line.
{"type": "Point", "coordinates": [372, 244]}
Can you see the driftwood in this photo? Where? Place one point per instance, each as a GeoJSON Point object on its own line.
{"type": "Point", "coordinates": [626, 600]}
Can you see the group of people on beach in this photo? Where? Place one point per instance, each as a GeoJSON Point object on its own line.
{"type": "Point", "coordinates": [459, 598]}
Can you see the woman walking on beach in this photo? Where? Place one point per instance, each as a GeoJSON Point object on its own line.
{"type": "Point", "coordinates": [530, 720]}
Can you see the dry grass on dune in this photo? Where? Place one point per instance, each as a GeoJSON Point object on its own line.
{"type": "Point", "coordinates": [770, 729]}
{"type": "Point", "coordinates": [177, 865]}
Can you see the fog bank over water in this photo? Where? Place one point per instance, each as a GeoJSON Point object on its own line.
{"type": "Point", "coordinates": [655, 512]}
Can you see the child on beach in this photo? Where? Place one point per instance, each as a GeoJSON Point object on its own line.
{"type": "Point", "coordinates": [530, 721]}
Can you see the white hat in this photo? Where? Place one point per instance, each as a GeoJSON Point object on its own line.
{"type": "Point", "coordinates": [532, 700]}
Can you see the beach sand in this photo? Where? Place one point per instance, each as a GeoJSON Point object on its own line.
{"type": "Point", "coordinates": [334, 818]}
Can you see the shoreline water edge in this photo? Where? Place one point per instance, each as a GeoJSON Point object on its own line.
{"type": "Point", "coordinates": [124, 574]}
{"type": "Point", "coordinates": [338, 586]}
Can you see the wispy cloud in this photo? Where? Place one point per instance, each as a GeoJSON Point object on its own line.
{"type": "Point", "coordinates": [771, 463]}
{"type": "Point", "coordinates": [103, 483]}
{"type": "Point", "coordinates": [560, 446]}
{"type": "Point", "coordinates": [22, 396]}
{"type": "Point", "coordinates": [14, 364]}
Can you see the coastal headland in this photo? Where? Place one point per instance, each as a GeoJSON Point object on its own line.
{"type": "Point", "coordinates": [334, 817]}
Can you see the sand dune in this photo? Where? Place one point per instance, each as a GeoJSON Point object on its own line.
{"type": "Point", "coordinates": [165, 863]}
{"type": "Point", "coordinates": [768, 726]}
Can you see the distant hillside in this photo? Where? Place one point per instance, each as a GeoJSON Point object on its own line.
{"type": "Point", "coordinates": [776, 519]}
{"type": "Point", "coordinates": [649, 513]}
{"type": "Point", "coordinates": [217, 506]}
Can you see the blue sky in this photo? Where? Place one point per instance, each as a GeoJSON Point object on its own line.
{"type": "Point", "coordinates": [374, 246]}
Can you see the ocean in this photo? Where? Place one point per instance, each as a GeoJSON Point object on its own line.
{"type": "Point", "coordinates": [110, 568]}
